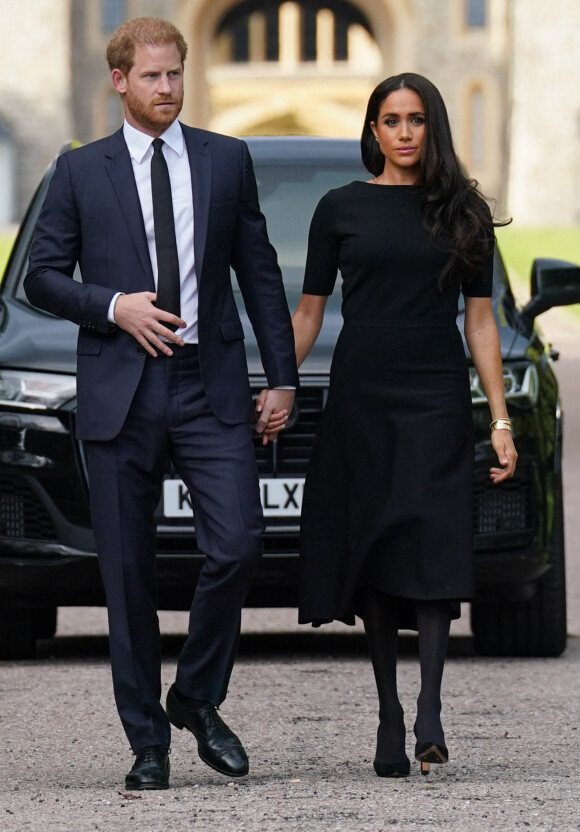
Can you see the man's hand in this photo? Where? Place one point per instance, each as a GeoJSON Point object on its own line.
{"type": "Point", "coordinates": [137, 315]}
{"type": "Point", "coordinates": [272, 409]}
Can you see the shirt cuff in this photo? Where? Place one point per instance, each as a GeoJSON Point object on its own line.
{"type": "Point", "coordinates": [283, 387]}
{"type": "Point", "coordinates": [111, 312]}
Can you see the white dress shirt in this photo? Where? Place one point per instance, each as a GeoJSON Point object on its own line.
{"type": "Point", "coordinates": [140, 147]}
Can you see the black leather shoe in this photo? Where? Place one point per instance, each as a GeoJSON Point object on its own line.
{"type": "Point", "coordinates": [150, 769]}
{"type": "Point", "coordinates": [217, 745]}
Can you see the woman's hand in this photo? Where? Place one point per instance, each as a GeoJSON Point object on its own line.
{"type": "Point", "coordinates": [503, 445]}
{"type": "Point", "coordinates": [272, 409]}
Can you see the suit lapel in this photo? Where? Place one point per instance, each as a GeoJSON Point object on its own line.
{"type": "Point", "coordinates": [201, 171]}
{"type": "Point", "coordinates": [120, 170]}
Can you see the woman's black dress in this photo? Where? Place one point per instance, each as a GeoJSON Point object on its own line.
{"type": "Point", "coordinates": [388, 493]}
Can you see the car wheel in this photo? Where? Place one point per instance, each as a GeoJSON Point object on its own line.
{"type": "Point", "coordinates": [46, 620]}
{"type": "Point", "coordinates": [17, 634]}
{"type": "Point", "coordinates": [19, 629]}
{"type": "Point", "coordinates": [528, 628]}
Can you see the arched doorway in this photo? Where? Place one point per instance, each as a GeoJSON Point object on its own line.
{"type": "Point", "coordinates": [290, 66]}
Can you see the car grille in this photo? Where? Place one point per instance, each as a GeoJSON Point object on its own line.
{"type": "Point", "coordinates": [505, 508]}
{"type": "Point", "coordinates": [22, 514]}
{"type": "Point", "coordinates": [290, 454]}
{"type": "Point", "coordinates": [496, 510]}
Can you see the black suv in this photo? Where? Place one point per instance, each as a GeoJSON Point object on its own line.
{"type": "Point", "coordinates": [47, 553]}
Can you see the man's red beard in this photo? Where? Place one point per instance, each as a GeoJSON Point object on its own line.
{"type": "Point", "coordinates": [150, 116]}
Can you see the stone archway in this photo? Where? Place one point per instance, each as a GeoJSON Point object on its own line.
{"type": "Point", "coordinates": [335, 106]}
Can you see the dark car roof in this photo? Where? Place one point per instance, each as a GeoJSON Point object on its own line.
{"type": "Point", "coordinates": [294, 149]}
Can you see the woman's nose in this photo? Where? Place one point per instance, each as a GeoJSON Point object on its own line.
{"type": "Point", "coordinates": [405, 131]}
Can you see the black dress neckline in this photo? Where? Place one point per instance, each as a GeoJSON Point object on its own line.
{"type": "Point", "coordinates": [409, 188]}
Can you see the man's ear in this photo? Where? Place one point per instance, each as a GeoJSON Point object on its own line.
{"type": "Point", "coordinates": [119, 81]}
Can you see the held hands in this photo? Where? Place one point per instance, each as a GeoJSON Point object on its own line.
{"type": "Point", "coordinates": [503, 445]}
{"type": "Point", "coordinates": [137, 315]}
{"type": "Point", "coordinates": [272, 409]}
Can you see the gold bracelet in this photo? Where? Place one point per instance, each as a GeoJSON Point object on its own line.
{"type": "Point", "coordinates": [501, 424]}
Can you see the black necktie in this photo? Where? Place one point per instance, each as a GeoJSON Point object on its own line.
{"type": "Point", "coordinates": [168, 286]}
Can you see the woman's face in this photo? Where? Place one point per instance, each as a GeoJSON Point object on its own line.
{"type": "Point", "coordinates": [400, 131]}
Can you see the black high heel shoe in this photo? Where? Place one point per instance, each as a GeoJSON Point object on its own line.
{"type": "Point", "coordinates": [430, 752]}
{"type": "Point", "coordinates": [400, 769]}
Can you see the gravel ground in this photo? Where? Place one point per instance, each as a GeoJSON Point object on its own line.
{"type": "Point", "coordinates": [305, 706]}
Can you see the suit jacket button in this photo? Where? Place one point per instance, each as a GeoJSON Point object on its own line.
{"type": "Point", "coordinates": [141, 350]}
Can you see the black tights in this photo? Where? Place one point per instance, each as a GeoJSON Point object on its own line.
{"type": "Point", "coordinates": [380, 615]}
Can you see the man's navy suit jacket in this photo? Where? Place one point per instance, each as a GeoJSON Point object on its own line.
{"type": "Point", "coordinates": [92, 215]}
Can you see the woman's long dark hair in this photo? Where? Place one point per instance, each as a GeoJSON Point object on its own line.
{"type": "Point", "coordinates": [453, 209]}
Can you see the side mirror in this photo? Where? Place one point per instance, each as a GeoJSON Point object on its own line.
{"type": "Point", "coordinates": [553, 283]}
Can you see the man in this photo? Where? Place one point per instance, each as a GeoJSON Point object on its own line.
{"type": "Point", "coordinates": [155, 227]}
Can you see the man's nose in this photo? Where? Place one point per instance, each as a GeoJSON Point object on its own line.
{"type": "Point", "coordinates": [163, 85]}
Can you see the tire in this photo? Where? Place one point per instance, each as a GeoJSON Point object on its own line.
{"type": "Point", "coordinates": [528, 628]}
{"type": "Point", "coordinates": [19, 629]}
{"type": "Point", "coordinates": [17, 634]}
{"type": "Point", "coordinates": [46, 620]}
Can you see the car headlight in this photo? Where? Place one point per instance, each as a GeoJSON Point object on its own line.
{"type": "Point", "coordinates": [37, 391]}
{"type": "Point", "coordinates": [520, 384]}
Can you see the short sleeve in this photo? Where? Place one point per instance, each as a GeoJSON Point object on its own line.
{"type": "Point", "coordinates": [322, 256]}
{"type": "Point", "coordinates": [480, 285]}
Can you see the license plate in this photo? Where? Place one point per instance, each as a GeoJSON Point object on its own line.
{"type": "Point", "coordinates": [280, 497]}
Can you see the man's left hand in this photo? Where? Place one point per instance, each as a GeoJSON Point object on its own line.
{"type": "Point", "coordinates": [272, 410]}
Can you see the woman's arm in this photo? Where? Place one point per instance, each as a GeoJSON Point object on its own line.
{"type": "Point", "coordinates": [483, 342]}
{"type": "Point", "coordinates": [307, 321]}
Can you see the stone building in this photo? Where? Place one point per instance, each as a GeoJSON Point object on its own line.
{"type": "Point", "coordinates": [35, 95]}
{"type": "Point", "coordinates": [308, 66]}
{"type": "Point", "coordinates": [544, 134]}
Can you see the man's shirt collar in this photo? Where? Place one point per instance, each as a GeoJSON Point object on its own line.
{"type": "Point", "coordinates": [139, 143]}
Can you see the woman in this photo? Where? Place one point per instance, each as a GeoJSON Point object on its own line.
{"type": "Point", "coordinates": [387, 518]}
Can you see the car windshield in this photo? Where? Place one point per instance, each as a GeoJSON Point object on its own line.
{"type": "Point", "coordinates": [289, 189]}
{"type": "Point", "coordinates": [288, 196]}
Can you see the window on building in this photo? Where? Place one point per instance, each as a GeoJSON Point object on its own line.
{"type": "Point", "coordinates": [113, 13]}
{"type": "Point", "coordinates": [475, 13]}
{"type": "Point", "coordinates": [319, 28]}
